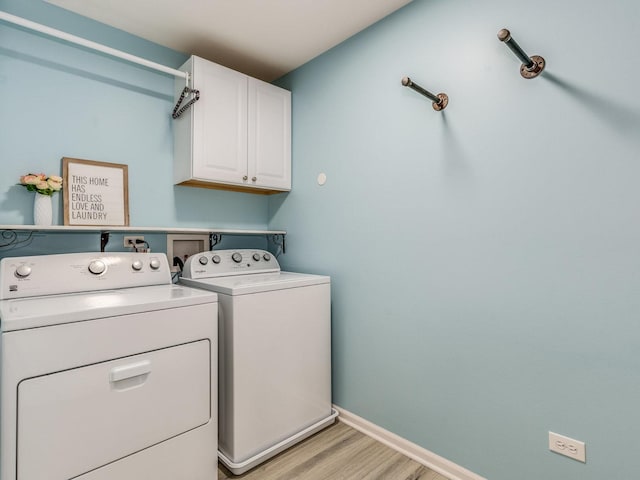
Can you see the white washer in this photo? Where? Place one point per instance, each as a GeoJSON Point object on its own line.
{"type": "Point", "coordinates": [108, 371]}
{"type": "Point", "coordinates": [274, 353]}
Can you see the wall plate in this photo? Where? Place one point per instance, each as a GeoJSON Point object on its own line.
{"type": "Point", "coordinates": [182, 246]}
{"type": "Point", "coordinates": [568, 447]}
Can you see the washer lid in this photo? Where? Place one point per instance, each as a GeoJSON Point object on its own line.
{"type": "Point", "coordinates": [22, 313]}
{"type": "Point", "coordinates": [255, 283]}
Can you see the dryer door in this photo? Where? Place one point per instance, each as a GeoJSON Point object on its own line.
{"type": "Point", "coordinates": [74, 421]}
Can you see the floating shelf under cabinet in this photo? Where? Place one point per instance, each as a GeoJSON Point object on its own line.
{"type": "Point", "coordinates": [237, 136]}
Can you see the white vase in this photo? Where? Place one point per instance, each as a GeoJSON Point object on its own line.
{"type": "Point", "coordinates": [42, 210]}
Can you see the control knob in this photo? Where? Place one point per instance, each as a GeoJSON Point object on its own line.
{"type": "Point", "coordinates": [154, 264]}
{"type": "Point", "coordinates": [137, 265]}
{"type": "Point", "coordinates": [256, 257]}
{"type": "Point", "coordinates": [236, 257]}
{"type": "Point", "coordinates": [266, 257]}
{"type": "Point", "coordinates": [97, 267]}
{"type": "Point", "coordinates": [203, 260]}
{"type": "Point", "coordinates": [23, 271]}
{"type": "Point", "coordinates": [216, 259]}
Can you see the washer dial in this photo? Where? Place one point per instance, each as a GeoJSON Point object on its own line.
{"type": "Point", "coordinates": [23, 271]}
{"type": "Point", "coordinates": [97, 267]}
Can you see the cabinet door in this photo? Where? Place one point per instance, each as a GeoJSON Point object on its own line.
{"type": "Point", "coordinates": [219, 123]}
{"type": "Point", "coordinates": [269, 161]}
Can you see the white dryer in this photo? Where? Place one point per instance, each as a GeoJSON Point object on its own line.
{"type": "Point", "coordinates": [108, 370]}
{"type": "Point", "coordinates": [274, 353]}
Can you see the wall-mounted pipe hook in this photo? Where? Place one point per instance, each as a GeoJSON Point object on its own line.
{"type": "Point", "coordinates": [531, 66]}
{"type": "Point", "coordinates": [440, 101]}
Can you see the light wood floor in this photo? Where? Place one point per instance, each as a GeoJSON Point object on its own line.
{"type": "Point", "coordinates": [337, 453]}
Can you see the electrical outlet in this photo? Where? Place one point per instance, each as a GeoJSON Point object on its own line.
{"type": "Point", "coordinates": [568, 447]}
{"type": "Point", "coordinates": [131, 241]}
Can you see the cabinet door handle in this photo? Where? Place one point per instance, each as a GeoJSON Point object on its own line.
{"type": "Point", "coordinates": [245, 177]}
{"type": "Point", "coordinates": [253, 179]}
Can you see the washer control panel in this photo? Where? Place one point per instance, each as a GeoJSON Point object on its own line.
{"type": "Point", "coordinates": [80, 272]}
{"type": "Point", "coordinates": [222, 263]}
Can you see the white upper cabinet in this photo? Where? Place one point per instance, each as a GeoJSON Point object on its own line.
{"type": "Point", "coordinates": [269, 135]}
{"type": "Point", "coordinates": [237, 136]}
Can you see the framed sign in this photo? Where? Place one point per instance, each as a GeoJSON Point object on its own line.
{"type": "Point", "coordinates": [95, 193]}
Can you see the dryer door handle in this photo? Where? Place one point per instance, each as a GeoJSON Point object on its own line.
{"type": "Point", "coordinates": [123, 372]}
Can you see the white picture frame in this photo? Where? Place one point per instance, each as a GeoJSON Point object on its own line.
{"type": "Point", "coordinates": [95, 193]}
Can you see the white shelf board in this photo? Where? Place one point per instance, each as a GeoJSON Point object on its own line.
{"type": "Point", "coordinates": [97, 229]}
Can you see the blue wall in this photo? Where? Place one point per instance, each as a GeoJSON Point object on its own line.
{"type": "Point", "coordinates": [59, 100]}
{"type": "Point", "coordinates": [485, 260]}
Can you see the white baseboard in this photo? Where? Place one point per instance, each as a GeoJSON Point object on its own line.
{"type": "Point", "coordinates": [411, 450]}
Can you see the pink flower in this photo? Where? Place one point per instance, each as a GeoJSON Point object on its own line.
{"type": "Point", "coordinates": [29, 179]}
{"type": "Point", "coordinates": [41, 183]}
